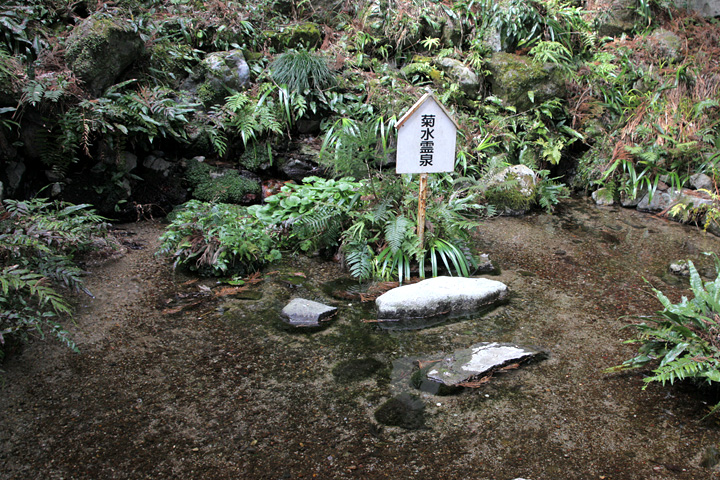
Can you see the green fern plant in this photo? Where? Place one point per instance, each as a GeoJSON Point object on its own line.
{"type": "Point", "coordinates": [683, 341]}
{"type": "Point", "coordinates": [38, 242]}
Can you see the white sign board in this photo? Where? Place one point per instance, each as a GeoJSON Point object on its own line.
{"type": "Point", "coordinates": [426, 138]}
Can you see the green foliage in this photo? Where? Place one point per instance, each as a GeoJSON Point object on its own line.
{"type": "Point", "coordinates": [382, 241]}
{"type": "Point", "coordinates": [217, 239]}
{"type": "Point", "coordinates": [301, 71]}
{"type": "Point", "coordinates": [682, 341]}
{"type": "Point", "coordinates": [249, 118]}
{"type": "Point", "coordinates": [355, 148]}
{"type": "Point", "coordinates": [228, 187]}
{"type": "Point", "coordinates": [311, 214]}
{"type": "Point", "coordinates": [38, 242]}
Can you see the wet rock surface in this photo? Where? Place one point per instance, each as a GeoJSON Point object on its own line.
{"type": "Point", "coordinates": [439, 296]}
{"type": "Point", "coordinates": [471, 364]}
{"type": "Point", "coordinates": [307, 313]}
{"type": "Point", "coordinates": [405, 411]}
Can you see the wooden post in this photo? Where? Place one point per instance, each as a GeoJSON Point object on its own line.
{"type": "Point", "coordinates": [422, 201]}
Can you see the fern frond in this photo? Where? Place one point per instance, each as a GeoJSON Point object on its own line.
{"type": "Point", "coordinates": [395, 232]}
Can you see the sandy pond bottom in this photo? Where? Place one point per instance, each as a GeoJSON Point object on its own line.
{"type": "Point", "coordinates": [224, 390]}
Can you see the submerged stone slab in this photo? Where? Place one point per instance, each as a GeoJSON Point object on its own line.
{"type": "Point", "coordinates": [471, 364]}
{"type": "Point", "coordinates": [307, 313]}
{"type": "Point", "coordinates": [440, 295]}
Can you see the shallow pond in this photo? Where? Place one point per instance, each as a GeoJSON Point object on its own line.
{"type": "Point", "coordinates": [226, 389]}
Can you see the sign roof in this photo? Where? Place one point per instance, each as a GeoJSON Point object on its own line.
{"type": "Point", "coordinates": [418, 104]}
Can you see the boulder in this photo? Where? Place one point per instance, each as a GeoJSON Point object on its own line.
{"type": "Point", "coordinates": [100, 48]}
{"type": "Point", "coordinates": [297, 168]}
{"type": "Point", "coordinates": [515, 200]}
{"type": "Point", "coordinates": [664, 199]}
{"type": "Point", "coordinates": [617, 17]}
{"type": "Point", "coordinates": [464, 76]}
{"type": "Point", "coordinates": [440, 295]}
{"type": "Point", "coordinates": [665, 45]}
{"type": "Point", "coordinates": [307, 313]}
{"type": "Point", "coordinates": [660, 201]}
{"type": "Point", "coordinates": [701, 181]}
{"type": "Point", "coordinates": [219, 74]}
{"type": "Point", "coordinates": [706, 8]}
{"type": "Point", "coordinates": [603, 196]}
{"type": "Point", "coordinates": [469, 366]}
{"type": "Point", "coordinates": [515, 79]}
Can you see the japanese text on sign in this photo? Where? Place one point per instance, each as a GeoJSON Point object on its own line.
{"type": "Point", "coordinates": [427, 140]}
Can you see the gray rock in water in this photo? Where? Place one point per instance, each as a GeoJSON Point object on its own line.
{"type": "Point", "coordinates": [470, 364]}
{"type": "Point", "coordinates": [307, 313]}
{"type": "Point", "coordinates": [660, 201]}
{"type": "Point", "coordinates": [439, 295]}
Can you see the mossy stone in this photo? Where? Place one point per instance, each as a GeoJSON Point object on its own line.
{"type": "Point", "coordinates": [305, 35]}
{"type": "Point", "coordinates": [356, 370]}
{"type": "Point", "coordinates": [100, 48]}
{"type": "Point", "coordinates": [405, 411]}
{"type": "Point", "coordinates": [10, 78]}
{"type": "Point", "coordinates": [514, 76]}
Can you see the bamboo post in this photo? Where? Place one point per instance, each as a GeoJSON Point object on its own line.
{"type": "Point", "coordinates": [422, 201]}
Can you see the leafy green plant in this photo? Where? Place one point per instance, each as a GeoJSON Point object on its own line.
{"type": "Point", "coordinates": [382, 241]}
{"type": "Point", "coordinates": [39, 240]}
{"type": "Point", "coordinates": [356, 148]}
{"type": "Point", "coordinates": [683, 341]}
{"type": "Point", "coordinates": [217, 239]}
{"type": "Point", "coordinates": [312, 214]}
{"type": "Point", "coordinates": [227, 187]}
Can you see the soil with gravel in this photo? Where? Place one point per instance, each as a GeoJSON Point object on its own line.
{"type": "Point", "coordinates": [179, 378]}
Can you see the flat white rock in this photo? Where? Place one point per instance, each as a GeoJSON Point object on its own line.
{"type": "Point", "coordinates": [477, 361]}
{"type": "Point", "coordinates": [439, 295]}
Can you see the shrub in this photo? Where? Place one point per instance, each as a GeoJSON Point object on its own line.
{"type": "Point", "coordinates": [229, 187]}
{"type": "Point", "coordinates": [38, 242]}
{"type": "Point", "coordinates": [217, 239]}
{"type": "Point", "coordinates": [313, 213]}
{"type": "Point", "coordinates": [684, 339]}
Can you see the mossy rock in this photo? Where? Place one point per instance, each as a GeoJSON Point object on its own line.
{"type": "Point", "coordinates": [513, 190]}
{"type": "Point", "coordinates": [616, 17]}
{"type": "Point", "coordinates": [405, 411]}
{"type": "Point", "coordinates": [171, 59]}
{"type": "Point", "coordinates": [216, 76]}
{"type": "Point", "coordinates": [11, 75]}
{"type": "Point", "coordinates": [515, 76]}
{"type": "Point", "coordinates": [305, 35]}
{"type": "Point", "coordinates": [100, 48]}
